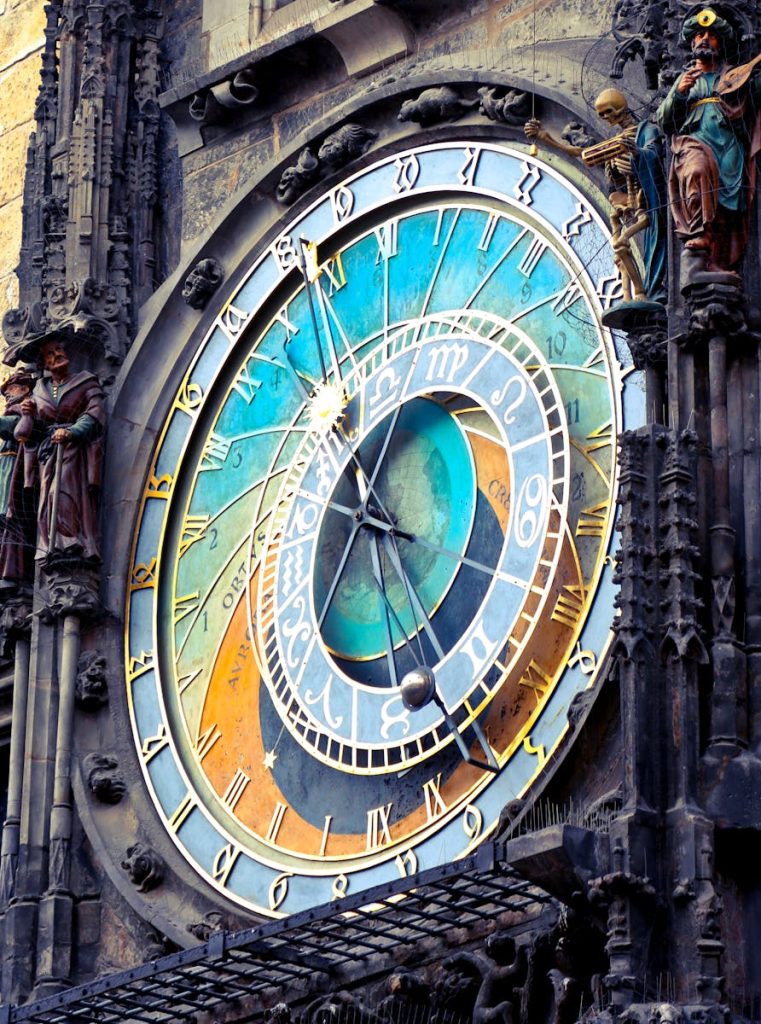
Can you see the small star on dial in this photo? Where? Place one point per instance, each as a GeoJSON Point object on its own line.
{"type": "Point", "coordinates": [269, 759]}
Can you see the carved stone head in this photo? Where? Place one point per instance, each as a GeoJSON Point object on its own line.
{"type": "Point", "coordinates": [202, 281]}
{"type": "Point", "coordinates": [92, 686]}
{"type": "Point", "coordinates": [144, 867]}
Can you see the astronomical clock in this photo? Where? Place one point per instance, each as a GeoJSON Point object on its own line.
{"type": "Point", "coordinates": [373, 561]}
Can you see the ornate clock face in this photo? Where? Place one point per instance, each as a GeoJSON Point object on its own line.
{"type": "Point", "coordinates": [407, 462]}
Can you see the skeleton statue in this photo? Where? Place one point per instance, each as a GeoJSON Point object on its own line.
{"type": "Point", "coordinates": [632, 161]}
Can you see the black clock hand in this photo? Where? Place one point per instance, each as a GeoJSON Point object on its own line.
{"type": "Point", "coordinates": [360, 515]}
{"type": "Point", "coordinates": [337, 576]}
{"type": "Point", "coordinates": [392, 612]}
{"type": "Point", "coordinates": [380, 583]}
{"type": "Point", "coordinates": [413, 597]}
{"type": "Point", "coordinates": [363, 482]}
{"type": "Point", "coordinates": [295, 373]}
{"type": "Point", "coordinates": [366, 518]}
{"type": "Point", "coordinates": [448, 553]}
{"type": "Point", "coordinates": [386, 443]}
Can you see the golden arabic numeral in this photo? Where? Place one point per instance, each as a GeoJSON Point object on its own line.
{"type": "Point", "coordinates": [586, 660]}
{"type": "Point", "coordinates": [340, 888]}
{"type": "Point", "coordinates": [535, 751]}
{"type": "Point", "coordinates": [472, 822]}
{"type": "Point", "coordinates": [406, 863]}
{"type": "Point", "coordinates": [232, 320]}
{"type": "Point", "coordinates": [189, 398]}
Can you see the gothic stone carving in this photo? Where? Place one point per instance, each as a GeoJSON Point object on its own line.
{"type": "Point", "coordinates": [434, 105]}
{"type": "Point", "coordinates": [502, 972]}
{"type": "Point", "coordinates": [512, 108]}
{"type": "Point", "coordinates": [91, 688]}
{"type": "Point", "coordinates": [297, 178]}
{"type": "Point", "coordinates": [213, 921]}
{"type": "Point", "coordinates": [15, 618]}
{"type": "Point", "coordinates": [202, 281]}
{"type": "Point", "coordinates": [144, 867]}
{"type": "Point", "coordinates": [345, 145]}
{"type": "Point", "coordinates": [70, 588]}
{"type": "Point", "coordinates": [103, 778]}
{"type": "Point", "coordinates": [338, 149]}
{"type": "Point", "coordinates": [220, 103]}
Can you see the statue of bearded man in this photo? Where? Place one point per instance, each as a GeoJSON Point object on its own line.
{"type": "Point", "coordinates": [712, 114]}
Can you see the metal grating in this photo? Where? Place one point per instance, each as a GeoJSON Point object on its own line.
{"type": "Point", "coordinates": [240, 965]}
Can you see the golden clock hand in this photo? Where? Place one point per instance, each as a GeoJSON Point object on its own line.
{"type": "Point", "coordinates": [302, 261]}
{"type": "Point", "coordinates": [361, 516]}
{"type": "Point", "coordinates": [324, 314]}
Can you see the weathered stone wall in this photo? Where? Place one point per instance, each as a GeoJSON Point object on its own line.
{"type": "Point", "coordinates": [560, 47]}
{"type": "Point", "coordinates": [21, 40]}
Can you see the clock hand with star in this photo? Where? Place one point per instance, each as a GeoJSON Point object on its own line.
{"type": "Point", "coordinates": [303, 267]}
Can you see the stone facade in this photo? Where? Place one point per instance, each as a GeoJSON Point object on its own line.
{"type": "Point", "coordinates": [21, 42]}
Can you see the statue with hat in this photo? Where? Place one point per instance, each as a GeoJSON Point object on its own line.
{"type": "Point", "coordinates": [61, 428]}
{"type": "Point", "coordinates": [713, 117]}
{"type": "Point", "coordinates": [632, 158]}
{"type": "Point", "coordinates": [17, 512]}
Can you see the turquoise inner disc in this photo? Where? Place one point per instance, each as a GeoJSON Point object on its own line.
{"type": "Point", "coordinates": [427, 482]}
